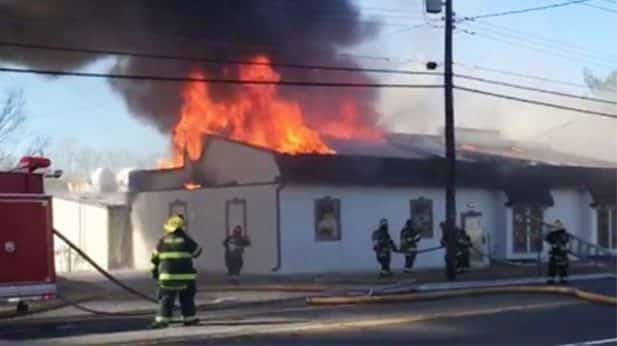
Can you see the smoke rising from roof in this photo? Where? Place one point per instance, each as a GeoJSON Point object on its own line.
{"type": "Point", "coordinates": [296, 31]}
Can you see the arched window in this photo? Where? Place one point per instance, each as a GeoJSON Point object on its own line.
{"type": "Point", "coordinates": [327, 219]}
{"type": "Point", "coordinates": [179, 207]}
{"type": "Point", "coordinates": [607, 227]}
{"type": "Point", "coordinates": [421, 209]}
{"type": "Point", "coordinates": [527, 228]}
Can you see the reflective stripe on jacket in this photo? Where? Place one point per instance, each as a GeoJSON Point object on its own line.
{"type": "Point", "coordinates": [409, 239]}
{"type": "Point", "coordinates": [173, 260]}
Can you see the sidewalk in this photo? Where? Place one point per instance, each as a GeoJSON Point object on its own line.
{"type": "Point", "coordinates": [214, 290]}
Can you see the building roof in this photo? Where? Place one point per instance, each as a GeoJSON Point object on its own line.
{"type": "Point", "coordinates": [483, 161]}
{"type": "Point", "coordinates": [104, 199]}
{"type": "Point", "coordinates": [371, 170]}
{"type": "Point", "coordinates": [472, 145]}
{"type": "Point", "coordinates": [523, 184]}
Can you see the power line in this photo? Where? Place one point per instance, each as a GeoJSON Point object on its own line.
{"type": "Point", "coordinates": [545, 91]}
{"type": "Point", "coordinates": [526, 36]}
{"type": "Point", "coordinates": [539, 103]}
{"type": "Point", "coordinates": [526, 10]}
{"type": "Point", "coordinates": [216, 81]}
{"type": "Point", "coordinates": [294, 66]}
{"type": "Point", "coordinates": [528, 76]}
{"type": "Point", "coordinates": [210, 60]}
{"type": "Point", "coordinates": [602, 8]}
{"type": "Point", "coordinates": [195, 40]}
{"type": "Point", "coordinates": [329, 10]}
{"type": "Point", "coordinates": [535, 48]}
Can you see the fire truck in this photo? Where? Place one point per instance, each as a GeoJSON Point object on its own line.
{"type": "Point", "coordinates": [26, 235]}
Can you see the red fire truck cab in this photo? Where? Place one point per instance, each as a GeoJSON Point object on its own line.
{"type": "Point", "coordinates": [26, 238]}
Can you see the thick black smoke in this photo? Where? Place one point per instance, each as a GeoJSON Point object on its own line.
{"type": "Point", "coordinates": [299, 31]}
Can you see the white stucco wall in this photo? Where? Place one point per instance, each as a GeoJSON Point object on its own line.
{"type": "Point", "coordinates": [503, 223]}
{"type": "Point", "coordinates": [227, 161]}
{"type": "Point", "coordinates": [206, 220]}
{"type": "Point", "coordinates": [488, 203]}
{"type": "Point", "coordinates": [120, 238]}
{"type": "Point", "coordinates": [149, 212]}
{"type": "Point", "coordinates": [361, 209]}
{"type": "Point", "coordinates": [85, 225]}
{"type": "Point", "coordinates": [588, 218]}
{"type": "Point", "coordinates": [570, 209]}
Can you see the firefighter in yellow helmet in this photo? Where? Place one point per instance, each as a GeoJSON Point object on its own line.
{"type": "Point", "coordinates": [558, 239]}
{"type": "Point", "coordinates": [174, 271]}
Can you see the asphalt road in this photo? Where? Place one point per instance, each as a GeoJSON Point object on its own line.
{"type": "Point", "coordinates": [544, 326]}
{"type": "Point", "coordinates": [486, 320]}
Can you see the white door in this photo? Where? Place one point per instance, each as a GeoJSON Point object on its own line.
{"type": "Point", "coordinates": [473, 226]}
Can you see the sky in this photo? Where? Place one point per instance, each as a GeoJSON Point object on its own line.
{"type": "Point", "coordinates": [89, 112]}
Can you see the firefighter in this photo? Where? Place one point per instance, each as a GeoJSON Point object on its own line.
{"type": "Point", "coordinates": [234, 251]}
{"type": "Point", "coordinates": [558, 239]}
{"type": "Point", "coordinates": [383, 245]}
{"type": "Point", "coordinates": [410, 236]}
{"type": "Point", "coordinates": [173, 269]}
{"type": "Point", "coordinates": [463, 242]}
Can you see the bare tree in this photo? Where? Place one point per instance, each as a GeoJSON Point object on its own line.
{"type": "Point", "coordinates": [12, 119]}
{"type": "Point", "coordinates": [38, 146]}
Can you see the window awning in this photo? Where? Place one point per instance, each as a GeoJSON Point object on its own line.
{"type": "Point", "coordinates": [603, 195]}
{"type": "Point", "coordinates": [529, 195]}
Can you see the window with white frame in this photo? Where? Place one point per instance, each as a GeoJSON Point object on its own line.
{"type": "Point", "coordinates": [327, 219]}
{"type": "Point", "coordinates": [607, 227]}
{"type": "Point", "coordinates": [527, 229]}
{"type": "Point", "coordinates": [179, 207]}
{"type": "Point", "coordinates": [421, 210]}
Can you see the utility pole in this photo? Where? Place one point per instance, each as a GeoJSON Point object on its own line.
{"type": "Point", "coordinates": [450, 227]}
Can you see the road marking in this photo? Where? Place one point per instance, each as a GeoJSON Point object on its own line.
{"type": "Point", "coordinates": [419, 318]}
{"type": "Point", "coordinates": [593, 342]}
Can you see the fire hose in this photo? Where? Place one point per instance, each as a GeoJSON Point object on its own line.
{"type": "Point", "coordinates": [430, 249]}
{"type": "Point", "coordinates": [77, 304]}
{"type": "Point", "coordinates": [415, 297]}
{"type": "Point", "coordinates": [103, 272]}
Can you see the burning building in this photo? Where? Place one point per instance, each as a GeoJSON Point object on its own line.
{"type": "Point", "coordinates": [284, 161]}
{"type": "Point", "coordinates": [282, 200]}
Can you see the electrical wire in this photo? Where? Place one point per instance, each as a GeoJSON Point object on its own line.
{"type": "Point", "coordinates": [534, 48]}
{"type": "Point", "coordinates": [218, 81]}
{"type": "Point", "coordinates": [540, 40]}
{"type": "Point", "coordinates": [290, 83]}
{"type": "Point", "coordinates": [282, 65]}
{"type": "Point", "coordinates": [552, 92]}
{"type": "Point", "coordinates": [209, 60]}
{"type": "Point", "coordinates": [528, 76]}
{"type": "Point", "coordinates": [535, 102]}
{"type": "Point", "coordinates": [526, 10]}
{"type": "Point", "coordinates": [601, 8]}
{"type": "Point", "coordinates": [194, 40]}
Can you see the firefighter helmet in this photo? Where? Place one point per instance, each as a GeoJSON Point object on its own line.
{"type": "Point", "coordinates": [173, 224]}
{"type": "Point", "coordinates": [557, 224]}
{"type": "Point", "coordinates": [237, 231]}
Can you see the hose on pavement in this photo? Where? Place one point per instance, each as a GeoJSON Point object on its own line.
{"type": "Point", "coordinates": [103, 272]}
{"type": "Point", "coordinates": [415, 297]}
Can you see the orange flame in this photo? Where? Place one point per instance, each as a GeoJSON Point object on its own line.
{"type": "Point", "coordinates": [257, 116]}
{"type": "Point", "coordinates": [191, 186]}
